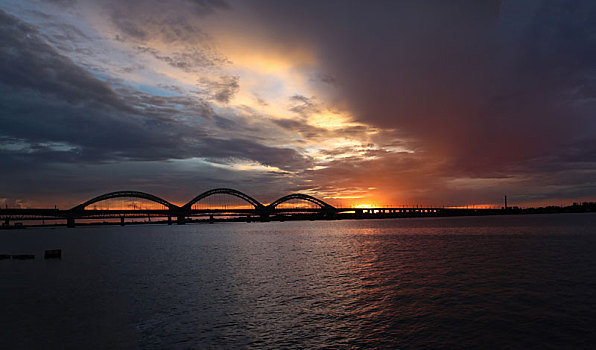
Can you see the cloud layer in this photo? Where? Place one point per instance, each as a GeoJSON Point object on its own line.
{"type": "Point", "coordinates": [396, 102]}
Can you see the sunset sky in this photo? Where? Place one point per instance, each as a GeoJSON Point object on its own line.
{"type": "Point", "coordinates": [356, 102]}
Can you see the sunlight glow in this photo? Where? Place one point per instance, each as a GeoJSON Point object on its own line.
{"type": "Point", "coordinates": [249, 166]}
{"type": "Point", "coordinates": [363, 206]}
{"type": "Point", "coordinates": [330, 121]}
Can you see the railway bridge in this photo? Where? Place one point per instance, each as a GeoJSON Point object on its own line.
{"type": "Point", "coordinates": [252, 210]}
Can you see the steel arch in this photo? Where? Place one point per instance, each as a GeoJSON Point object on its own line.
{"type": "Point", "coordinates": [305, 197]}
{"type": "Point", "coordinates": [124, 194]}
{"type": "Point", "coordinates": [229, 191]}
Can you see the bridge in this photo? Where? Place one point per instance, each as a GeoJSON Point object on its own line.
{"type": "Point", "coordinates": [252, 210]}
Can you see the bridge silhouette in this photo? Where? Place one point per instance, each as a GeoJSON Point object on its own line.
{"type": "Point", "coordinates": [255, 210]}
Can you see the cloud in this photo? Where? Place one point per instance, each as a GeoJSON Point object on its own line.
{"type": "Point", "coordinates": [222, 90]}
{"type": "Point", "coordinates": [447, 102]}
{"type": "Point", "coordinates": [283, 158]}
{"type": "Point", "coordinates": [303, 105]}
{"type": "Point", "coordinates": [29, 64]}
{"type": "Point", "coordinates": [189, 62]}
{"type": "Point", "coordinates": [489, 87]}
{"type": "Point", "coordinates": [57, 115]}
{"type": "Point", "coordinates": [171, 22]}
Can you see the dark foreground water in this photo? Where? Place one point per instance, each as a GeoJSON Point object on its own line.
{"type": "Point", "coordinates": [479, 282]}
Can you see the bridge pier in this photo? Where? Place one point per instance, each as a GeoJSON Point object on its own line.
{"type": "Point", "coordinates": [181, 220]}
{"type": "Point", "coordinates": [70, 222]}
{"type": "Point", "coordinates": [122, 221]}
{"type": "Point", "coordinates": [169, 219]}
{"type": "Point", "coordinates": [6, 222]}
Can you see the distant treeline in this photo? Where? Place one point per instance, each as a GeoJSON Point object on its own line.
{"type": "Point", "coordinates": [584, 207]}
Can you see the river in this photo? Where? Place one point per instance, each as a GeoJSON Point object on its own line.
{"type": "Point", "coordinates": [460, 282]}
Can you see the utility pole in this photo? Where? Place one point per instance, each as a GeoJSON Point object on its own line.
{"type": "Point", "coordinates": [505, 202]}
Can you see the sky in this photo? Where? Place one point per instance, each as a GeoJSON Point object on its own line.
{"type": "Point", "coordinates": [442, 103]}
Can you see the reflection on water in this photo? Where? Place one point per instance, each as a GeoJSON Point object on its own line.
{"type": "Point", "coordinates": [521, 281]}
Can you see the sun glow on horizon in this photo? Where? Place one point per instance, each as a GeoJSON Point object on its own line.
{"type": "Point", "coordinates": [363, 206]}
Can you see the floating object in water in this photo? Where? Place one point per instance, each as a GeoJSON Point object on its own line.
{"type": "Point", "coordinates": [23, 256]}
{"type": "Point", "coordinates": [53, 254]}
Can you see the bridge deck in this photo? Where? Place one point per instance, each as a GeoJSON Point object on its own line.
{"type": "Point", "coordinates": [57, 213]}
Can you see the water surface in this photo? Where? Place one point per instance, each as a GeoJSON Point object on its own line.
{"type": "Point", "coordinates": [501, 281]}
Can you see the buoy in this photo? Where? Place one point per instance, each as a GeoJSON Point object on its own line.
{"type": "Point", "coordinates": [23, 256]}
{"type": "Point", "coordinates": [53, 254]}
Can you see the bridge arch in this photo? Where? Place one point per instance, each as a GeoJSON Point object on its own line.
{"type": "Point", "coordinates": [304, 197]}
{"type": "Point", "coordinates": [125, 194]}
{"type": "Point", "coordinates": [229, 191]}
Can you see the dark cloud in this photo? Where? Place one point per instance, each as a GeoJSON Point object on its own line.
{"type": "Point", "coordinates": [327, 79]}
{"type": "Point", "coordinates": [169, 22]}
{"type": "Point", "coordinates": [208, 6]}
{"type": "Point", "coordinates": [485, 86]}
{"type": "Point", "coordinates": [449, 72]}
{"type": "Point", "coordinates": [222, 90]}
{"type": "Point", "coordinates": [284, 158]}
{"type": "Point", "coordinates": [260, 100]}
{"type": "Point", "coordinates": [30, 65]}
{"type": "Point", "coordinates": [311, 133]}
{"type": "Point", "coordinates": [303, 105]}
{"type": "Point", "coordinates": [170, 25]}
{"type": "Point", "coordinates": [302, 128]}
{"type": "Point", "coordinates": [189, 62]}
{"type": "Point", "coordinates": [56, 115]}
{"type": "Point", "coordinates": [62, 2]}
